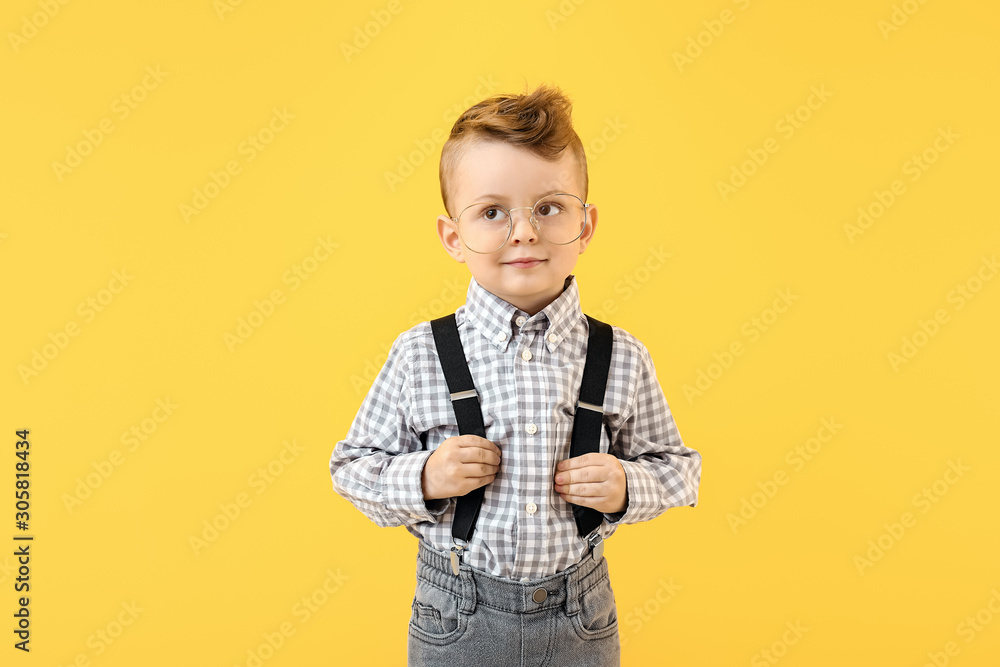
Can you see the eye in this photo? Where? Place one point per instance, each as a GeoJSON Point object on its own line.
{"type": "Point", "coordinates": [548, 208]}
{"type": "Point", "coordinates": [494, 214]}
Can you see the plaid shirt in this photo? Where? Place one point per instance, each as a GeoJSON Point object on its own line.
{"type": "Point", "coordinates": [527, 371]}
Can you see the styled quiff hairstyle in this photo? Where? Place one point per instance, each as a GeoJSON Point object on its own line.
{"type": "Point", "coordinates": [539, 121]}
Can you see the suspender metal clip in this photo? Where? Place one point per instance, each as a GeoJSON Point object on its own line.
{"type": "Point", "coordinates": [456, 558]}
{"type": "Point", "coordinates": [596, 543]}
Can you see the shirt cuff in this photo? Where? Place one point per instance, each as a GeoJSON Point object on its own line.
{"type": "Point", "coordinates": [403, 494]}
{"type": "Point", "coordinates": [642, 494]}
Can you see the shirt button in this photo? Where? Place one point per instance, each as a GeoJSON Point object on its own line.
{"type": "Point", "coordinates": [526, 355]}
{"type": "Point", "coordinates": [520, 320]}
{"type": "Point", "coordinates": [414, 515]}
{"type": "Point", "coordinates": [531, 428]}
{"type": "Point", "coordinates": [501, 336]}
{"type": "Point", "coordinates": [531, 508]}
{"type": "Point", "coordinates": [553, 338]}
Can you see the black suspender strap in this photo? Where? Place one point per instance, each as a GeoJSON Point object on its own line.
{"type": "Point", "coordinates": [468, 412]}
{"type": "Point", "coordinates": [587, 423]}
{"type": "Point", "coordinates": [589, 417]}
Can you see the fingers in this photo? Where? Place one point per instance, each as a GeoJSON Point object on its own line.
{"type": "Point", "coordinates": [474, 455]}
{"type": "Point", "coordinates": [582, 475]}
{"type": "Point", "coordinates": [474, 441]}
{"type": "Point", "coordinates": [593, 480]}
{"type": "Point", "coordinates": [467, 482]}
{"type": "Point", "coordinates": [458, 468]}
{"type": "Point", "coordinates": [583, 461]}
{"type": "Point", "coordinates": [461, 464]}
{"type": "Point", "coordinates": [476, 470]}
{"type": "Point", "coordinates": [474, 449]}
{"type": "Point", "coordinates": [581, 491]}
{"type": "Point", "coordinates": [482, 481]}
{"type": "Point", "coordinates": [595, 502]}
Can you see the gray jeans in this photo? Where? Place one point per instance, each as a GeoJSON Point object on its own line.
{"type": "Point", "coordinates": [477, 619]}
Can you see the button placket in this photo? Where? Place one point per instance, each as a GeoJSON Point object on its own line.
{"type": "Point", "coordinates": [524, 334]}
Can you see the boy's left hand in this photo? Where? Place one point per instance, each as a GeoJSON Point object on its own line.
{"type": "Point", "coordinates": [592, 480]}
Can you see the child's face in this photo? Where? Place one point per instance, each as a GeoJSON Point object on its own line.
{"type": "Point", "coordinates": [499, 173]}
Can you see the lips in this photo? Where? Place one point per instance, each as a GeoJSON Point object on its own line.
{"type": "Point", "coordinates": [525, 262]}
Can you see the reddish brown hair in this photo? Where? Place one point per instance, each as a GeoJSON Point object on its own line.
{"type": "Point", "coordinates": [539, 121]}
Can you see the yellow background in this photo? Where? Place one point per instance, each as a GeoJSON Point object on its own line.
{"type": "Point", "coordinates": [661, 133]}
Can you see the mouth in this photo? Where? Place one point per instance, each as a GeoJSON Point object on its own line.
{"type": "Point", "coordinates": [525, 262]}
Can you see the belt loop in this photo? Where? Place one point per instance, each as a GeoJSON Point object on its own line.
{"type": "Point", "coordinates": [468, 603]}
{"type": "Point", "coordinates": [573, 581]}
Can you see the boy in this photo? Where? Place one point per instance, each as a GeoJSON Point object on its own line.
{"type": "Point", "coordinates": [515, 575]}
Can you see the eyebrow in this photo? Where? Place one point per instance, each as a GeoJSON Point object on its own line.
{"type": "Point", "coordinates": [500, 198]}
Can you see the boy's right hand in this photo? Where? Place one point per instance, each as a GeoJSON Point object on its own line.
{"type": "Point", "coordinates": [461, 464]}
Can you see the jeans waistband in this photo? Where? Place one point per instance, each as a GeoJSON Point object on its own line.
{"type": "Point", "coordinates": [523, 597]}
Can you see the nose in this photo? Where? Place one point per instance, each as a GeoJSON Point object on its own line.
{"type": "Point", "coordinates": [522, 233]}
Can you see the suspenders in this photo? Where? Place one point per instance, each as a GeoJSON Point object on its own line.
{"type": "Point", "coordinates": [587, 423]}
{"type": "Point", "coordinates": [465, 401]}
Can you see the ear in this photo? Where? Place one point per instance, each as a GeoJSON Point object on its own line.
{"type": "Point", "coordinates": [588, 233]}
{"type": "Point", "coordinates": [448, 233]}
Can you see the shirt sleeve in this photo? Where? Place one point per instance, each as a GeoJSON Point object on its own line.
{"type": "Point", "coordinates": [378, 466]}
{"type": "Point", "coordinates": [660, 472]}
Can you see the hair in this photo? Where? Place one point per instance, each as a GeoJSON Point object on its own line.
{"type": "Point", "coordinates": [539, 121]}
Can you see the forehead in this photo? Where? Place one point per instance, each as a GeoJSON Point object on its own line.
{"type": "Point", "coordinates": [515, 173]}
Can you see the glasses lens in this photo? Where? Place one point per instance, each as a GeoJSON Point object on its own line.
{"type": "Point", "coordinates": [561, 218]}
{"type": "Point", "coordinates": [484, 227]}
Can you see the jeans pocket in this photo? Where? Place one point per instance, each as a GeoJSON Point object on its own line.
{"type": "Point", "coordinates": [435, 617]}
{"type": "Point", "coordinates": [598, 615]}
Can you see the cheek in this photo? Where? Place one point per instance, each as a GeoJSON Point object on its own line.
{"type": "Point", "coordinates": [567, 256]}
{"type": "Point", "coordinates": [478, 263]}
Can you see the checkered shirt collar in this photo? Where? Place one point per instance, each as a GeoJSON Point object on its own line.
{"type": "Point", "coordinates": [493, 316]}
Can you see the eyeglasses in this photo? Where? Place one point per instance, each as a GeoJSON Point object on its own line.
{"type": "Point", "coordinates": [558, 218]}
